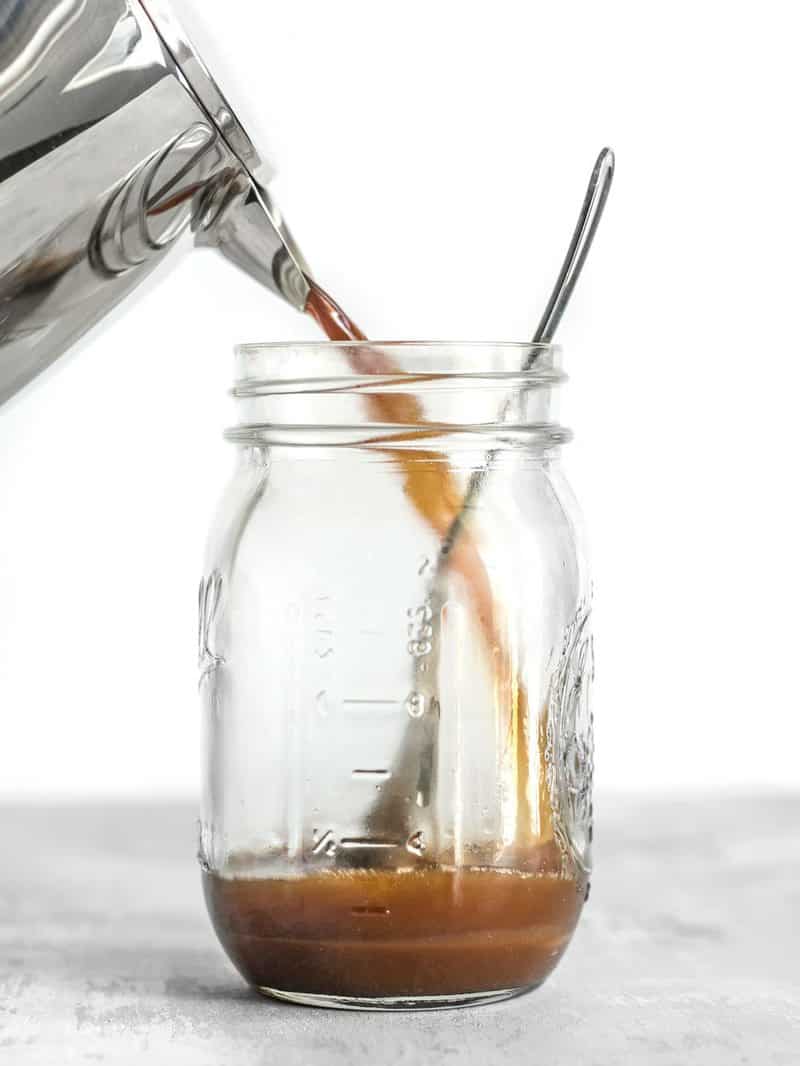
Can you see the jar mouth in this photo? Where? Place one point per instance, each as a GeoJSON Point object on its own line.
{"type": "Point", "coordinates": [397, 393]}
{"type": "Point", "coordinates": [512, 346]}
{"type": "Point", "coordinates": [276, 368]}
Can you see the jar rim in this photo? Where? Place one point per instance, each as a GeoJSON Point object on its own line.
{"type": "Point", "coordinates": [252, 348]}
{"type": "Point", "coordinates": [397, 393]}
{"type": "Point", "coordinates": [307, 366]}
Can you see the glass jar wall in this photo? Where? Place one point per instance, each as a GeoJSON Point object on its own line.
{"type": "Point", "coordinates": [397, 801]}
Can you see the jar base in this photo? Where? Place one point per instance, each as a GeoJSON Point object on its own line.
{"type": "Point", "coordinates": [396, 1003]}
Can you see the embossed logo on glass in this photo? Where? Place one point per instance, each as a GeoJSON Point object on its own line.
{"type": "Point", "coordinates": [210, 595]}
{"type": "Point", "coordinates": [570, 740]}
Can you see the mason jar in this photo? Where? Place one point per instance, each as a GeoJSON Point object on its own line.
{"type": "Point", "coordinates": [396, 657]}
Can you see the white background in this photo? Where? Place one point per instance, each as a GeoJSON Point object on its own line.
{"type": "Point", "coordinates": [432, 160]}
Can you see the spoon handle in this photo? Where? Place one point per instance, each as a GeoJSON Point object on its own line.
{"type": "Point", "coordinates": [580, 245]}
{"type": "Point", "coordinates": [589, 219]}
{"type": "Point", "coordinates": [415, 766]}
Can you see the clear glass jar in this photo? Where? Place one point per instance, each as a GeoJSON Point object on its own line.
{"type": "Point", "coordinates": [397, 805]}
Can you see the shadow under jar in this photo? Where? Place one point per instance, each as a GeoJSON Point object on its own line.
{"type": "Point", "coordinates": [398, 763]}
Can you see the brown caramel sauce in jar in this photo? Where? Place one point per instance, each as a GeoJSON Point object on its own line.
{"type": "Point", "coordinates": [371, 934]}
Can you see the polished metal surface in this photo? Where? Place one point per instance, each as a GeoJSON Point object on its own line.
{"type": "Point", "coordinates": [114, 140]}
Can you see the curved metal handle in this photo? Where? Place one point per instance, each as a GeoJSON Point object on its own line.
{"type": "Point", "coordinates": [580, 245]}
{"type": "Point", "coordinates": [589, 219]}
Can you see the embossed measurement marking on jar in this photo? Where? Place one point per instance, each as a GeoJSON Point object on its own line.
{"type": "Point", "coordinates": [324, 626]}
{"type": "Point", "coordinates": [324, 844]}
{"type": "Point", "coordinates": [369, 705]}
{"type": "Point", "coordinates": [370, 843]}
{"type": "Point", "coordinates": [327, 844]}
{"type": "Point", "coordinates": [415, 705]}
{"type": "Point", "coordinates": [418, 702]}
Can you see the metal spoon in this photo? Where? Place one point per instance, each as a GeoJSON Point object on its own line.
{"type": "Point", "coordinates": [579, 247]}
{"type": "Point", "coordinates": [591, 213]}
{"type": "Point", "coordinates": [415, 767]}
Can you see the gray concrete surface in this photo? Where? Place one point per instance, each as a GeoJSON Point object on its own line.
{"type": "Point", "coordinates": [688, 952]}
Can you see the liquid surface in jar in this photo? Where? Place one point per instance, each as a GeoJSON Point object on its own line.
{"type": "Point", "coordinates": [377, 933]}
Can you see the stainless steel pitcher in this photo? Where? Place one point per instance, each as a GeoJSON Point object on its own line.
{"type": "Point", "coordinates": [114, 139]}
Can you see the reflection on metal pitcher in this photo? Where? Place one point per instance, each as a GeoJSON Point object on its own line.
{"type": "Point", "coordinates": [114, 141]}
